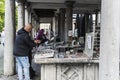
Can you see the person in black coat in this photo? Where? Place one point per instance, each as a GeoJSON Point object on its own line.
{"type": "Point", "coordinates": [23, 46]}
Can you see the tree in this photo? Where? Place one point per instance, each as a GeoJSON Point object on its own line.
{"type": "Point", "coordinates": [2, 14]}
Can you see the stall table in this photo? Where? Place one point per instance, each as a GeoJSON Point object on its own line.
{"type": "Point", "coordinates": [68, 68]}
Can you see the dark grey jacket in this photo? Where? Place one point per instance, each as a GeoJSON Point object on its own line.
{"type": "Point", "coordinates": [23, 43]}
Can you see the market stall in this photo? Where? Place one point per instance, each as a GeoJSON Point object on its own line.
{"type": "Point", "coordinates": [61, 61]}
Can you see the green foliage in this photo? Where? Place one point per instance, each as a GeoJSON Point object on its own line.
{"type": "Point", "coordinates": [16, 16]}
{"type": "Point", "coordinates": [2, 14]}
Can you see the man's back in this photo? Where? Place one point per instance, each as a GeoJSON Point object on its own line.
{"type": "Point", "coordinates": [23, 43]}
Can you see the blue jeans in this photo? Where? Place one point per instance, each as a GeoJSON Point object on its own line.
{"type": "Point", "coordinates": [23, 68]}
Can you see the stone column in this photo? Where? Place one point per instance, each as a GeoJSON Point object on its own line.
{"type": "Point", "coordinates": [21, 14]}
{"type": "Point", "coordinates": [86, 23]}
{"type": "Point", "coordinates": [56, 23]}
{"type": "Point", "coordinates": [29, 15]}
{"type": "Point", "coordinates": [34, 26]}
{"type": "Point", "coordinates": [37, 23]}
{"type": "Point", "coordinates": [53, 26]}
{"type": "Point", "coordinates": [26, 15]}
{"type": "Point", "coordinates": [69, 12]}
{"type": "Point", "coordinates": [109, 40]}
{"type": "Point", "coordinates": [9, 37]}
{"type": "Point", "coordinates": [99, 18]}
{"type": "Point", "coordinates": [62, 24]}
{"type": "Point", "coordinates": [96, 17]}
{"type": "Point", "coordinates": [78, 24]}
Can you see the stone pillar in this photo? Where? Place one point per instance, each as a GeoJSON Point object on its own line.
{"type": "Point", "coordinates": [78, 24]}
{"type": "Point", "coordinates": [56, 23]}
{"type": "Point", "coordinates": [34, 26]}
{"type": "Point", "coordinates": [53, 26]}
{"type": "Point", "coordinates": [87, 29]}
{"type": "Point", "coordinates": [109, 40]}
{"type": "Point", "coordinates": [91, 23]}
{"type": "Point", "coordinates": [26, 15]}
{"type": "Point", "coordinates": [99, 18]}
{"type": "Point", "coordinates": [62, 24]}
{"type": "Point", "coordinates": [21, 14]}
{"type": "Point", "coordinates": [37, 23]}
{"type": "Point", "coordinates": [69, 12]}
{"type": "Point", "coordinates": [30, 17]}
{"type": "Point", "coordinates": [96, 17]}
{"type": "Point", "coordinates": [9, 37]}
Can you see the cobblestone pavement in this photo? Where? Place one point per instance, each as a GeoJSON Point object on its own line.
{"type": "Point", "coordinates": [2, 77]}
{"type": "Point", "coordinates": [1, 59]}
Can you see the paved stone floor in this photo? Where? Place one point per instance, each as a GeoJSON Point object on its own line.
{"type": "Point", "coordinates": [14, 77]}
{"type": "Point", "coordinates": [1, 59]}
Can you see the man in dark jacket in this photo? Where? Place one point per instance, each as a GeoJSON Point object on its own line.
{"type": "Point", "coordinates": [22, 47]}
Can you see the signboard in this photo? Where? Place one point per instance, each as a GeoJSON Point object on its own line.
{"type": "Point", "coordinates": [89, 44]}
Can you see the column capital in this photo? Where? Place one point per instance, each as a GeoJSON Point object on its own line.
{"type": "Point", "coordinates": [20, 1]}
{"type": "Point", "coordinates": [96, 10]}
{"type": "Point", "coordinates": [57, 12]}
{"type": "Point", "coordinates": [27, 5]}
{"type": "Point", "coordinates": [62, 9]}
{"type": "Point", "coordinates": [69, 3]}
